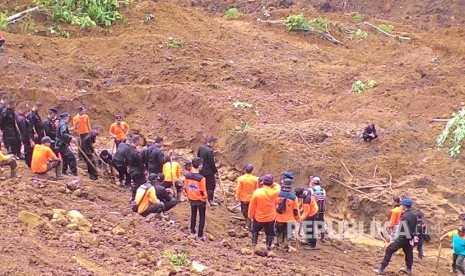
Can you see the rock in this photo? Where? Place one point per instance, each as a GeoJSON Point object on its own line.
{"type": "Point", "coordinates": [158, 245]}
{"type": "Point", "coordinates": [231, 176]}
{"type": "Point", "coordinates": [32, 220]}
{"type": "Point", "coordinates": [118, 231]}
{"type": "Point", "coordinates": [72, 226]}
{"type": "Point", "coordinates": [73, 185]}
{"type": "Point", "coordinates": [144, 255]}
{"type": "Point", "coordinates": [197, 267]}
{"type": "Point", "coordinates": [238, 266]}
{"type": "Point", "coordinates": [232, 233]}
{"type": "Point", "coordinates": [261, 250]}
{"type": "Point", "coordinates": [47, 203]}
{"type": "Point", "coordinates": [143, 262]}
{"type": "Point", "coordinates": [210, 237]}
{"type": "Point", "coordinates": [76, 237]}
{"type": "Point", "coordinates": [77, 218]}
{"type": "Point", "coordinates": [248, 268]}
{"type": "Point", "coordinates": [77, 193]}
{"type": "Point", "coordinates": [246, 251]}
{"type": "Point", "coordinates": [271, 254]}
{"type": "Point", "coordinates": [72, 214]}
{"type": "Point", "coordinates": [91, 239]}
{"type": "Point", "coordinates": [225, 243]}
{"type": "Point", "coordinates": [135, 243]}
{"type": "Point", "coordinates": [243, 235]}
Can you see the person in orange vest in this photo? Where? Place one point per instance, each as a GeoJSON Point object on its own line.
{"type": "Point", "coordinates": [9, 160]}
{"type": "Point", "coordinates": [262, 210]}
{"type": "Point", "coordinates": [394, 222]}
{"type": "Point", "coordinates": [246, 185]}
{"type": "Point", "coordinates": [195, 186]}
{"type": "Point", "coordinates": [44, 159]}
{"type": "Point", "coordinates": [119, 130]}
{"type": "Point", "coordinates": [287, 212]}
{"type": "Point", "coordinates": [308, 217]}
{"type": "Point", "coordinates": [172, 173]}
{"type": "Point", "coordinates": [146, 200]}
{"type": "Point", "coordinates": [81, 126]}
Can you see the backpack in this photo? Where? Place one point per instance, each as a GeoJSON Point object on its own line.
{"type": "Point", "coordinates": [134, 205]}
{"type": "Point", "coordinates": [281, 207]}
{"type": "Point", "coordinates": [320, 198]}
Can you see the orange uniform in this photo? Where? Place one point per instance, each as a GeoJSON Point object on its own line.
{"type": "Point", "coordinates": [262, 206]}
{"type": "Point", "coordinates": [81, 124]}
{"type": "Point", "coordinates": [119, 130]}
{"type": "Point", "coordinates": [40, 158]}
{"type": "Point", "coordinates": [196, 187]}
{"type": "Point", "coordinates": [175, 171]}
{"type": "Point", "coordinates": [246, 185]}
{"type": "Point", "coordinates": [310, 207]}
{"type": "Point", "coordinates": [396, 213]}
{"type": "Point", "coordinates": [150, 197]}
{"type": "Point", "coordinates": [292, 209]}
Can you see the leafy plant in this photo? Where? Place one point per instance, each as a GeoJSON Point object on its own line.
{"type": "Point", "coordinates": [297, 23]}
{"type": "Point", "coordinates": [27, 25]}
{"type": "Point", "coordinates": [232, 13]}
{"type": "Point", "coordinates": [3, 21]}
{"type": "Point", "coordinates": [320, 24]}
{"type": "Point", "coordinates": [59, 32]}
{"type": "Point", "coordinates": [176, 260]}
{"type": "Point", "coordinates": [453, 134]}
{"type": "Point", "coordinates": [359, 86]}
{"type": "Point", "coordinates": [359, 33]}
{"type": "Point", "coordinates": [243, 105]}
{"type": "Point", "coordinates": [386, 28]}
{"type": "Point", "coordinates": [357, 18]}
{"type": "Point", "coordinates": [84, 13]}
{"type": "Point", "coordinates": [149, 18]}
{"type": "Point", "coordinates": [173, 43]}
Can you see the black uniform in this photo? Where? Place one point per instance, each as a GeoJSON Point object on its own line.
{"type": "Point", "coordinates": [11, 138]}
{"type": "Point", "coordinates": [136, 169]}
{"type": "Point", "coordinates": [37, 126]}
{"type": "Point", "coordinates": [153, 158]}
{"type": "Point", "coordinates": [209, 168]}
{"type": "Point", "coordinates": [120, 162]}
{"type": "Point", "coordinates": [62, 143]}
{"type": "Point", "coordinates": [370, 133]}
{"type": "Point", "coordinates": [87, 146]}
{"type": "Point", "coordinates": [25, 131]}
{"type": "Point", "coordinates": [407, 232]}
{"type": "Point", "coordinates": [51, 131]}
{"type": "Point", "coordinates": [164, 196]}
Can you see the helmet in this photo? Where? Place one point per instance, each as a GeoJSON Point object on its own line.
{"type": "Point", "coordinates": [406, 202]}
{"type": "Point", "coordinates": [287, 183]}
{"type": "Point", "coordinates": [287, 174]}
{"type": "Point", "coordinates": [316, 180]}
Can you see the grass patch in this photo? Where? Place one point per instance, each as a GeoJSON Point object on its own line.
{"type": "Point", "coordinates": [359, 86]}
{"type": "Point", "coordinates": [357, 18]}
{"type": "Point", "coordinates": [3, 21]}
{"type": "Point", "coordinates": [173, 43]}
{"type": "Point", "coordinates": [176, 260]}
{"type": "Point", "coordinates": [387, 28]}
{"type": "Point", "coordinates": [232, 13]}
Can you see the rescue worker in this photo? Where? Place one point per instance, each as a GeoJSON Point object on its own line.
{"type": "Point", "coordinates": [87, 147]}
{"type": "Point", "coordinates": [290, 214]}
{"type": "Point", "coordinates": [136, 166]}
{"type": "Point", "coordinates": [36, 123]}
{"type": "Point", "coordinates": [25, 132]}
{"type": "Point", "coordinates": [81, 125]}
{"type": "Point", "coordinates": [246, 185]}
{"type": "Point", "coordinates": [154, 156]}
{"type": "Point", "coordinates": [120, 162]}
{"type": "Point", "coordinates": [288, 175]}
{"type": "Point", "coordinates": [369, 133]}
{"type": "Point", "coordinates": [450, 234]}
{"type": "Point", "coordinates": [163, 193]}
{"type": "Point", "coordinates": [44, 159]}
{"type": "Point", "coordinates": [50, 128]}
{"type": "Point", "coordinates": [4, 101]}
{"type": "Point", "coordinates": [405, 239]}
{"type": "Point", "coordinates": [105, 160]}
{"type": "Point", "coordinates": [172, 175]}
{"type": "Point", "coordinates": [196, 192]}
{"type": "Point", "coordinates": [320, 197]}
{"type": "Point", "coordinates": [394, 222]}
{"type": "Point", "coordinates": [62, 144]}
{"type": "Point", "coordinates": [11, 137]}
{"type": "Point", "coordinates": [147, 201]}
{"type": "Point", "coordinates": [209, 169]}
{"type": "Point", "coordinates": [188, 166]}
{"type": "Point", "coordinates": [262, 210]}
{"type": "Point", "coordinates": [9, 160]}
{"type": "Point", "coordinates": [119, 130]}
{"type": "Point", "coordinates": [308, 217]}
{"type": "Point", "coordinates": [422, 231]}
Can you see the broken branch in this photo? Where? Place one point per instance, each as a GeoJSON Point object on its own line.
{"type": "Point", "coordinates": [347, 170]}
{"type": "Point", "coordinates": [384, 32]}
{"type": "Point", "coordinates": [440, 120]}
{"type": "Point", "coordinates": [12, 19]}
{"type": "Point", "coordinates": [390, 183]}
{"type": "Point", "coordinates": [373, 186]}
{"type": "Point", "coordinates": [347, 186]}
{"type": "Point", "coordinates": [308, 145]}
{"type": "Point", "coordinates": [374, 173]}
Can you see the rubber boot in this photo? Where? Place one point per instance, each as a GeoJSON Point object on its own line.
{"type": "Point", "coordinates": [254, 238]}
{"type": "Point", "coordinates": [14, 173]}
{"type": "Point", "coordinates": [248, 224]}
{"type": "Point", "coordinates": [59, 171]}
{"type": "Point", "coordinates": [269, 242]}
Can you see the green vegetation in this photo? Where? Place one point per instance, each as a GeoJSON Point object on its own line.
{"type": "Point", "coordinates": [27, 25]}
{"type": "Point", "coordinates": [453, 134]}
{"type": "Point", "coordinates": [242, 105]}
{"type": "Point", "coordinates": [57, 31]}
{"type": "Point", "coordinates": [387, 28]}
{"type": "Point", "coordinates": [358, 18]}
{"type": "Point", "coordinates": [3, 21]}
{"type": "Point", "coordinates": [84, 13]}
{"type": "Point", "coordinates": [149, 18]}
{"type": "Point", "coordinates": [297, 23]}
{"type": "Point", "coordinates": [359, 33]}
{"type": "Point", "coordinates": [359, 86]}
{"type": "Point", "coordinates": [232, 13]}
{"type": "Point", "coordinates": [176, 260]}
{"type": "Point", "coordinates": [173, 43]}
{"type": "Point", "coordinates": [320, 24]}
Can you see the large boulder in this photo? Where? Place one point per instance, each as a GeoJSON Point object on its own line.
{"type": "Point", "coordinates": [32, 220]}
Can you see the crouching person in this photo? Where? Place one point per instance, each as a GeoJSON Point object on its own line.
{"type": "Point", "coordinates": [9, 160]}
{"type": "Point", "coordinates": [44, 159]}
{"type": "Point", "coordinates": [163, 193]}
{"type": "Point", "coordinates": [146, 200]}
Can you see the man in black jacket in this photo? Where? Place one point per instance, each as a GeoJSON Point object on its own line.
{"type": "Point", "coordinates": [4, 101]}
{"type": "Point", "coordinates": [406, 238]}
{"type": "Point", "coordinates": [87, 146]}
{"type": "Point", "coordinates": [154, 156]}
{"type": "Point", "coordinates": [50, 128]}
{"type": "Point", "coordinates": [25, 131]}
{"type": "Point", "coordinates": [62, 143]}
{"type": "Point", "coordinates": [209, 167]}
{"type": "Point", "coordinates": [157, 181]}
{"type": "Point", "coordinates": [36, 123]}
{"type": "Point", "coordinates": [11, 138]}
{"type": "Point", "coordinates": [136, 165]}
{"type": "Point", "coordinates": [120, 162]}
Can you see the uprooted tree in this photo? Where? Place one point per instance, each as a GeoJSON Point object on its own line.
{"type": "Point", "coordinates": [453, 134]}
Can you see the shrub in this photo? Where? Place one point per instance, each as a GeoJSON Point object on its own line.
{"type": "Point", "coordinates": [176, 260]}
{"type": "Point", "coordinates": [357, 18]}
{"type": "Point", "coordinates": [359, 33]}
{"type": "Point", "coordinates": [27, 25]}
{"type": "Point", "coordinates": [453, 134]}
{"type": "Point", "coordinates": [84, 13]}
{"type": "Point", "coordinates": [297, 23]}
{"type": "Point", "coordinates": [57, 31]}
{"type": "Point", "coordinates": [173, 43]}
{"type": "Point", "coordinates": [387, 28]}
{"type": "Point", "coordinates": [232, 13]}
{"type": "Point", "coordinates": [3, 21]}
{"type": "Point", "coordinates": [359, 86]}
{"type": "Point", "coordinates": [320, 24]}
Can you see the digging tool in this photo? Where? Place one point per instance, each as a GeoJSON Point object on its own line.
{"type": "Point", "coordinates": [439, 254]}
{"type": "Point", "coordinates": [89, 162]}
{"type": "Point", "coordinates": [233, 208]}
{"type": "Point", "coordinates": [175, 191]}
{"type": "Point", "coordinates": [223, 192]}
{"type": "Point", "coordinates": [113, 147]}
{"type": "Point", "coordinates": [111, 172]}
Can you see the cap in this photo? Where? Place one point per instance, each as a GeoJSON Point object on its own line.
{"type": "Point", "coordinates": [316, 180]}
{"type": "Point", "coordinates": [406, 202]}
{"type": "Point", "coordinates": [287, 183]}
{"type": "Point", "coordinates": [152, 177]}
{"type": "Point", "coordinates": [288, 175]}
{"type": "Point", "coordinates": [249, 168]}
{"type": "Point", "coordinates": [53, 110]}
{"type": "Point", "coordinates": [64, 115]}
{"type": "Point", "coordinates": [118, 117]}
{"type": "Point", "coordinates": [268, 179]}
{"type": "Point", "coordinates": [81, 108]}
{"type": "Point", "coordinates": [211, 139]}
{"type": "Point", "coordinates": [38, 104]}
{"type": "Point", "coordinates": [47, 139]}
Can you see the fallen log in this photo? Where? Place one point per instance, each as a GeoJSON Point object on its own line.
{"type": "Point", "coordinates": [15, 17]}
{"type": "Point", "coordinates": [348, 187]}
{"type": "Point", "coordinates": [401, 38]}
{"type": "Point", "coordinates": [347, 170]}
{"type": "Point", "coordinates": [374, 186]}
{"type": "Point", "coordinates": [301, 136]}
